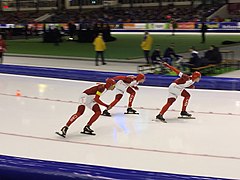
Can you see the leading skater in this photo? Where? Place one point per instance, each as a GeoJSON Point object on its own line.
{"type": "Point", "coordinates": [128, 84]}
{"type": "Point", "coordinates": [177, 88]}
{"type": "Point", "coordinates": [90, 98]}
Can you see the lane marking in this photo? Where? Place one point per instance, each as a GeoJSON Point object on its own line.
{"type": "Point", "coordinates": [122, 147]}
{"type": "Point", "coordinates": [145, 108]}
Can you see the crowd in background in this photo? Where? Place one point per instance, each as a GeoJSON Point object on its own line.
{"type": "Point", "coordinates": [19, 17]}
{"type": "Point", "coordinates": [119, 14]}
{"type": "Point", "coordinates": [138, 14]}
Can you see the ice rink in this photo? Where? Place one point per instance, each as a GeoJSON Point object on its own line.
{"type": "Point", "coordinates": [206, 146]}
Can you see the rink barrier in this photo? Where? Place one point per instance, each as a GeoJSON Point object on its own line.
{"type": "Point", "coordinates": [25, 168]}
{"type": "Point", "coordinates": [214, 83]}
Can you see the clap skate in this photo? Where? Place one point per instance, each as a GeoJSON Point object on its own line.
{"type": "Point", "coordinates": [87, 130]}
{"type": "Point", "coordinates": [106, 113]}
{"type": "Point", "coordinates": [63, 132]}
{"type": "Point", "coordinates": [160, 117]}
{"type": "Point", "coordinates": [131, 111]}
{"type": "Point", "coordinates": [185, 115]}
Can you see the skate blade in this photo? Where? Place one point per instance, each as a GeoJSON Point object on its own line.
{"type": "Point", "coordinates": [60, 134]}
{"type": "Point", "coordinates": [93, 134]}
{"type": "Point", "coordinates": [131, 113]}
{"type": "Point", "coordinates": [106, 115]}
{"type": "Point", "coordinates": [186, 117]}
{"type": "Point", "coordinates": [158, 120]}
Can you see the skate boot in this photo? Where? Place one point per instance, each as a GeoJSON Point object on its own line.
{"type": "Point", "coordinates": [88, 130]}
{"type": "Point", "coordinates": [131, 111]}
{"type": "Point", "coordinates": [106, 113]}
{"type": "Point", "coordinates": [160, 117]}
{"type": "Point", "coordinates": [63, 132]}
{"type": "Point", "coordinates": [185, 114]}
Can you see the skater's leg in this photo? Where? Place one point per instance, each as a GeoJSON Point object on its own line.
{"type": "Point", "coordinates": [186, 96]}
{"type": "Point", "coordinates": [170, 101]}
{"type": "Point", "coordinates": [64, 129]}
{"type": "Point", "coordinates": [131, 97]}
{"type": "Point", "coordinates": [79, 112]}
{"type": "Point", "coordinates": [97, 113]}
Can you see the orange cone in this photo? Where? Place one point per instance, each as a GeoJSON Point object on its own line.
{"type": "Point", "coordinates": [18, 93]}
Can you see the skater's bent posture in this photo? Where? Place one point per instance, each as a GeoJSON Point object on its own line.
{"type": "Point", "coordinates": [128, 84]}
{"type": "Point", "coordinates": [90, 98]}
{"type": "Point", "coordinates": [177, 88]}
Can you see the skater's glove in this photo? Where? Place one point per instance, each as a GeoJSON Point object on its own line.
{"type": "Point", "coordinates": [109, 107]}
{"type": "Point", "coordinates": [166, 64]}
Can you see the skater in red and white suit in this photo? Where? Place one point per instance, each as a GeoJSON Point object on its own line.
{"type": "Point", "coordinates": [90, 98]}
{"type": "Point", "coordinates": [177, 88]}
{"type": "Point", "coordinates": [128, 84]}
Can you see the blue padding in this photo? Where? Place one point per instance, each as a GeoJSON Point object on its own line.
{"type": "Point", "coordinates": [23, 168]}
{"type": "Point", "coordinates": [152, 80]}
{"type": "Point", "coordinates": [98, 76]}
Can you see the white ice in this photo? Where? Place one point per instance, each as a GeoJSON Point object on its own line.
{"type": "Point", "coordinates": [207, 146]}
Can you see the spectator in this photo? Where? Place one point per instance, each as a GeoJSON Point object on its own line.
{"type": "Point", "coordinates": [194, 62]}
{"type": "Point", "coordinates": [213, 56]}
{"type": "Point", "coordinates": [170, 54]}
{"type": "Point", "coordinates": [100, 47]}
{"type": "Point", "coordinates": [157, 60]}
{"type": "Point", "coordinates": [217, 55]}
{"type": "Point", "coordinates": [72, 30]}
{"type": "Point", "coordinates": [203, 31]}
{"type": "Point", "coordinates": [156, 56]}
{"type": "Point", "coordinates": [174, 26]}
{"type": "Point", "coordinates": [56, 36]}
{"type": "Point", "coordinates": [147, 46]}
{"type": "Point", "coordinates": [3, 48]}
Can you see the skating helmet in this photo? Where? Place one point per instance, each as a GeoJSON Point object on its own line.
{"type": "Point", "coordinates": [196, 75]}
{"type": "Point", "coordinates": [140, 77]}
{"type": "Point", "coordinates": [110, 82]}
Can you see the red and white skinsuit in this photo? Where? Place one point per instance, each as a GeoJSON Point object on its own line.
{"type": "Point", "coordinates": [90, 98]}
{"type": "Point", "coordinates": [177, 88]}
{"type": "Point", "coordinates": [128, 84]}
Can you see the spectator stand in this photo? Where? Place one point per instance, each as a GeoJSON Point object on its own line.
{"type": "Point", "coordinates": [229, 59]}
{"type": "Point", "coordinates": [228, 62]}
{"type": "Point", "coordinates": [152, 69]}
{"type": "Point", "coordinates": [146, 68]}
{"type": "Point", "coordinates": [227, 54]}
{"type": "Point", "coordinates": [210, 68]}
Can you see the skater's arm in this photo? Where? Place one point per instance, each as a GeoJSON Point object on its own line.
{"type": "Point", "coordinates": [172, 68]}
{"type": "Point", "coordinates": [117, 98]}
{"type": "Point", "coordinates": [192, 87]}
{"type": "Point", "coordinates": [97, 99]}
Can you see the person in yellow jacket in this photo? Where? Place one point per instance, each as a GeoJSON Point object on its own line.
{"type": "Point", "coordinates": [146, 46]}
{"type": "Point", "coordinates": [100, 47]}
